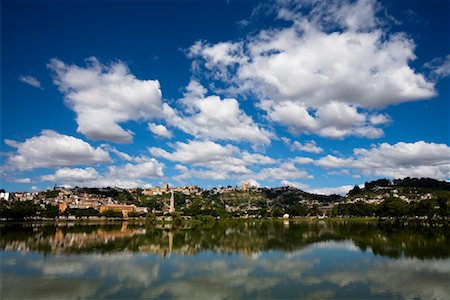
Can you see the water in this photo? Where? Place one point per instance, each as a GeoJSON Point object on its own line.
{"type": "Point", "coordinates": [222, 261]}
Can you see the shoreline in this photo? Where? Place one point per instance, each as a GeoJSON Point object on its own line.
{"type": "Point", "coordinates": [204, 221]}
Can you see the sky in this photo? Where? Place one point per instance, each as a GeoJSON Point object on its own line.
{"type": "Point", "coordinates": [318, 95]}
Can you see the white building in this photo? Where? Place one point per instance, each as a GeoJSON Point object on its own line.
{"type": "Point", "coordinates": [4, 196]}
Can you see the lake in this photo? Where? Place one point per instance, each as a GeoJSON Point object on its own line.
{"type": "Point", "coordinates": [223, 260]}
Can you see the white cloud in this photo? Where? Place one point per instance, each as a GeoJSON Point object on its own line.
{"type": "Point", "coordinates": [333, 120]}
{"type": "Point", "coordinates": [104, 96]}
{"type": "Point", "coordinates": [320, 74]}
{"type": "Point", "coordinates": [302, 160]}
{"type": "Point", "coordinates": [147, 169]}
{"type": "Point", "coordinates": [339, 190]}
{"type": "Point", "coordinates": [331, 161]}
{"type": "Point", "coordinates": [51, 149]}
{"type": "Point", "coordinates": [310, 146]}
{"type": "Point", "coordinates": [219, 57]}
{"type": "Point", "coordinates": [160, 130]}
{"type": "Point", "coordinates": [120, 154]}
{"type": "Point", "coordinates": [125, 176]}
{"type": "Point", "coordinates": [22, 180]}
{"type": "Point", "coordinates": [70, 175]}
{"type": "Point", "coordinates": [419, 159]}
{"type": "Point", "coordinates": [355, 16]}
{"type": "Point", "coordinates": [293, 115]}
{"type": "Point", "coordinates": [211, 160]}
{"type": "Point", "coordinates": [213, 118]}
{"type": "Point", "coordinates": [440, 67]}
{"type": "Point", "coordinates": [363, 68]}
{"type": "Point", "coordinates": [196, 152]}
{"type": "Point", "coordinates": [378, 119]}
{"type": "Point", "coordinates": [297, 185]}
{"type": "Point", "coordinates": [218, 162]}
{"type": "Point", "coordinates": [30, 80]}
{"type": "Point", "coordinates": [285, 171]}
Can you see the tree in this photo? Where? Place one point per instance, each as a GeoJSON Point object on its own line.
{"type": "Point", "coordinates": [136, 214]}
{"type": "Point", "coordinates": [424, 208]}
{"type": "Point", "coordinates": [393, 207]}
{"type": "Point", "coordinates": [82, 212]}
{"type": "Point", "coordinates": [355, 191]}
{"type": "Point", "coordinates": [51, 211]}
{"type": "Point", "coordinates": [380, 182]}
{"type": "Point", "coordinates": [277, 213]}
{"type": "Point", "coordinates": [112, 214]}
{"type": "Point", "coordinates": [19, 210]}
{"type": "Point", "coordinates": [297, 210]}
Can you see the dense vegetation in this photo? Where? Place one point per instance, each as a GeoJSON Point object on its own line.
{"type": "Point", "coordinates": [394, 207]}
{"type": "Point", "coordinates": [430, 198]}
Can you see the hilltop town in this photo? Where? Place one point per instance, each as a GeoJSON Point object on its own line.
{"type": "Point", "coordinates": [383, 198]}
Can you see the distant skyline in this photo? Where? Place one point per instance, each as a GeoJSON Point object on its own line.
{"type": "Point", "coordinates": [320, 95]}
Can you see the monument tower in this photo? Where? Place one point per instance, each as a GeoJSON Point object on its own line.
{"type": "Point", "coordinates": [172, 203]}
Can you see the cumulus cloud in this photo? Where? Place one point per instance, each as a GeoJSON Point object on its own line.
{"type": "Point", "coordinates": [126, 176]}
{"type": "Point", "coordinates": [339, 190]}
{"type": "Point", "coordinates": [331, 161]}
{"type": "Point", "coordinates": [146, 169]}
{"type": "Point", "coordinates": [378, 119]}
{"type": "Point", "coordinates": [284, 171]}
{"type": "Point", "coordinates": [215, 161]}
{"type": "Point", "coordinates": [220, 57]}
{"type": "Point", "coordinates": [214, 118]}
{"type": "Point", "coordinates": [196, 152]}
{"type": "Point", "coordinates": [309, 146]}
{"type": "Point", "coordinates": [419, 159]}
{"type": "Point", "coordinates": [324, 71]}
{"type": "Point", "coordinates": [22, 180]}
{"type": "Point", "coordinates": [30, 80]}
{"type": "Point", "coordinates": [159, 130]}
{"type": "Point", "coordinates": [302, 160]}
{"type": "Point", "coordinates": [333, 120]}
{"type": "Point", "coordinates": [211, 160]}
{"type": "Point", "coordinates": [105, 96]}
{"type": "Point", "coordinates": [70, 175]}
{"type": "Point", "coordinates": [294, 184]}
{"type": "Point", "coordinates": [52, 149]}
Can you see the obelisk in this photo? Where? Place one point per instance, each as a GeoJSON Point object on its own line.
{"type": "Point", "coordinates": [172, 203]}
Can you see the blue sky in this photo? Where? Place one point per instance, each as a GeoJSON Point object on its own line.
{"type": "Point", "coordinates": [315, 94]}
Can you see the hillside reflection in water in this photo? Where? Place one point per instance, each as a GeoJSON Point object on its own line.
{"type": "Point", "coordinates": [223, 260]}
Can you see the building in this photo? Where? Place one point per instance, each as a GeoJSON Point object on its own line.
{"type": "Point", "coordinates": [62, 207]}
{"type": "Point", "coordinates": [124, 208]}
{"type": "Point", "coordinates": [142, 209]}
{"type": "Point", "coordinates": [4, 196]}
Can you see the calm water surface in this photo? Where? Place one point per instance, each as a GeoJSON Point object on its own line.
{"type": "Point", "coordinates": [223, 261]}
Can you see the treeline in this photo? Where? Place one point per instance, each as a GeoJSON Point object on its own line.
{"type": "Point", "coordinates": [417, 183]}
{"type": "Point", "coordinates": [19, 210]}
{"type": "Point", "coordinates": [289, 195]}
{"type": "Point", "coordinates": [395, 207]}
